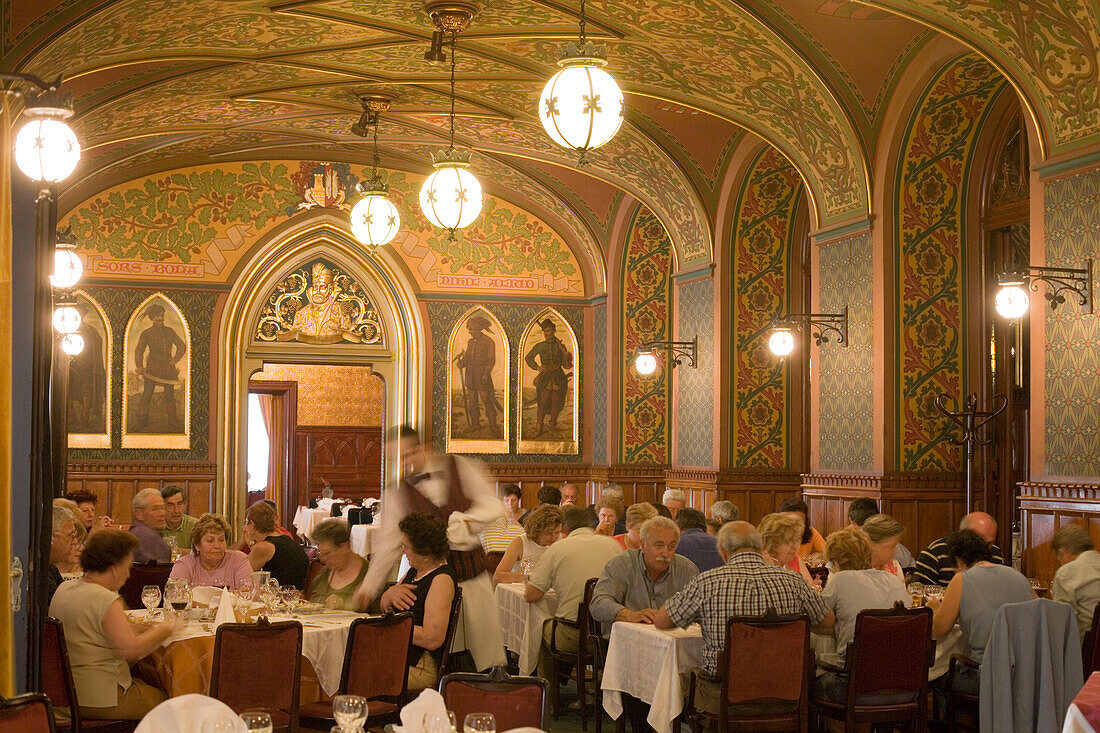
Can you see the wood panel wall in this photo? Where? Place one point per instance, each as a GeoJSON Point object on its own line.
{"type": "Point", "coordinates": [349, 459]}
{"type": "Point", "coordinates": [116, 482]}
{"type": "Point", "coordinates": [1044, 507]}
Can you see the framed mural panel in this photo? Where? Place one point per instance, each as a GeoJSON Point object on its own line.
{"type": "Point", "coordinates": [547, 399]}
{"type": "Point", "coordinates": [156, 381]}
{"type": "Point", "coordinates": [89, 390]}
{"type": "Point", "coordinates": [477, 385]}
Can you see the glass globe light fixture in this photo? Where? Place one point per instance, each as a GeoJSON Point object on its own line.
{"type": "Point", "coordinates": [781, 342]}
{"type": "Point", "coordinates": [581, 107]}
{"type": "Point", "coordinates": [66, 319]}
{"type": "Point", "coordinates": [46, 148]}
{"type": "Point", "coordinates": [375, 221]}
{"type": "Point", "coordinates": [1012, 300]}
{"type": "Point", "coordinates": [451, 195]}
{"type": "Point", "coordinates": [72, 343]}
{"type": "Point", "coordinates": [67, 268]}
{"type": "Point", "coordinates": [645, 363]}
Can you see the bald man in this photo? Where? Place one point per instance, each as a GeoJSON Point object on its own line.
{"type": "Point", "coordinates": [932, 565]}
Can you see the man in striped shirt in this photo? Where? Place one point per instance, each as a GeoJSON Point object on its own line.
{"type": "Point", "coordinates": [933, 567]}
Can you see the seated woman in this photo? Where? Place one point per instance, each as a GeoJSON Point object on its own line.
{"type": "Point", "coordinates": [69, 566]}
{"type": "Point", "coordinates": [430, 586]}
{"type": "Point", "coordinates": [812, 541]}
{"type": "Point", "coordinates": [344, 570]}
{"type": "Point", "coordinates": [209, 562]}
{"type": "Point", "coordinates": [853, 587]}
{"type": "Point", "coordinates": [636, 516]}
{"type": "Point", "coordinates": [541, 529]}
{"type": "Point", "coordinates": [607, 512]}
{"type": "Point", "coordinates": [100, 640]}
{"type": "Point", "coordinates": [973, 597]}
{"type": "Point", "coordinates": [885, 534]}
{"type": "Point", "coordinates": [782, 534]}
{"type": "Point", "coordinates": [273, 551]}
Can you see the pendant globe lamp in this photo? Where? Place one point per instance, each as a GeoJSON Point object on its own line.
{"type": "Point", "coordinates": [581, 107]}
{"type": "Point", "coordinates": [46, 148]}
{"type": "Point", "coordinates": [375, 221]}
{"type": "Point", "coordinates": [451, 195]}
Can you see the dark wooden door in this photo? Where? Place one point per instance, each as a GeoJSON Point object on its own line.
{"type": "Point", "coordinates": [348, 459]}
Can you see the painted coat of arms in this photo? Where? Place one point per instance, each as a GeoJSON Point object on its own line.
{"type": "Point", "coordinates": [322, 185]}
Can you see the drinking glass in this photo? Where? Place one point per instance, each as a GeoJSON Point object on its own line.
{"type": "Point", "coordinates": [349, 711]}
{"type": "Point", "coordinates": [479, 723]}
{"type": "Point", "coordinates": [916, 593]}
{"type": "Point", "coordinates": [176, 592]}
{"type": "Point", "coordinates": [290, 597]}
{"type": "Point", "coordinates": [933, 591]}
{"type": "Point", "coordinates": [437, 723]}
{"type": "Point", "coordinates": [257, 722]}
{"type": "Point", "coordinates": [150, 598]}
{"type": "Point", "coordinates": [217, 725]}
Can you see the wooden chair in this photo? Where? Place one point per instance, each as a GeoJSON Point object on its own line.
{"type": "Point", "coordinates": [587, 655]}
{"type": "Point", "coordinates": [515, 702]}
{"type": "Point", "coordinates": [1090, 650]}
{"type": "Point", "coordinates": [258, 667]}
{"type": "Point", "coordinates": [375, 667]}
{"type": "Point", "coordinates": [452, 628]}
{"type": "Point", "coordinates": [57, 683]}
{"type": "Point", "coordinates": [29, 713]}
{"type": "Point", "coordinates": [887, 669]}
{"type": "Point", "coordinates": [775, 696]}
{"type": "Point", "coordinates": [315, 568]}
{"type": "Point", "coordinates": [141, 575]}
{"type": "Point", "coordinates": [962, 708]}
{"type": "Point", "coordinates": [493, 559]}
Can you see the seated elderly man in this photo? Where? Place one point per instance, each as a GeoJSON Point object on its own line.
{"type": "Point", "coordinates": [933, 566]}
{"type": "Point", "coordinates": [566, 566]}
{"type": "Point", "coordinates": [674, 500]}
{"type": "Point", "coordinates": [177, 522]}
{"type": "Point", "coordinates": [721, 512]}
{"type": "Point", "coordinates": [746, 585]}
{"type": "Point", "coordinates": [149, 519]}
{"type": "Point", "coordinates": [695, 544]}
{"type": "Point", "coordinates": [1077, 581]}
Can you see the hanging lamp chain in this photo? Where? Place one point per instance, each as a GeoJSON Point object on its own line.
{"type": "Point", "coordinates": [377, 159]}
{"type": "Point", "coordinates": [582, 24]}
{"type": "Point", "coordinates": [453, 36]}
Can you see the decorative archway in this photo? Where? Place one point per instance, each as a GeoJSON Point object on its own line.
{"type": "Point", "coordinates": [398, 358]}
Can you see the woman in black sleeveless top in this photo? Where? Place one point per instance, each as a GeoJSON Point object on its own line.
{"type": "Point", "coordinates": [273, 551]}
{"type": "Point", "coordinates": [428, 590]}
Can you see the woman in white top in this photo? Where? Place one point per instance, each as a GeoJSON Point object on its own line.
{"type": "Point", "coordinates": [541, 529]}
{"type": "Point", "coordinates": [885, 534]}
{"type": "Point", "coordinates": [99, 638]}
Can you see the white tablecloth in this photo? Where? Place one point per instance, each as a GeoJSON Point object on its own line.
{"type": "Point", "coordinates": [646, 662]}
{"type": "Point", "coordinates": [305, 519]}
{"type": "Point", "coordinates": [521, 622]}
{"type": "Point", "coordinates": [362, 538]}
{"type": "Point", "coordinates": [824, 646]}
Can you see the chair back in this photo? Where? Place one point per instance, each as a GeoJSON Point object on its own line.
{"type": "Point", "coordinates": [57, 673]}
{"type": "Point", "coordinates": [315, 568]}
{"type": "Point", "coordinates": [452, 627]}
{"type": "Point", "coordinates": [589, 643]}
{"type": "Point", "coordinates": [141, 575]}
{"type": "Point", "coordinates": [271, 686]}
{"type": "Point", "coordinates": [1089, 648]}
{"type": "Point", "coordinates": [29, 713]}
{"type": "Point", "coordinates": [376, 660]}
{"type": "Point", "coordinates": [515, 702]}
{"type": "Point", "coordinates": [891, 652]}
{"type": "Point", "coordinates": [772, 646]}
{"type": "Point", "coordinates": [493, 560]}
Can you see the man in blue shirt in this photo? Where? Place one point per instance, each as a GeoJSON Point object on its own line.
{"type": "Point", "coordinates": [695, 544]}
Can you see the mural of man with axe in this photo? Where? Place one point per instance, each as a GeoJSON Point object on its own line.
{"type": "Point", "coordinates": [477, 361]}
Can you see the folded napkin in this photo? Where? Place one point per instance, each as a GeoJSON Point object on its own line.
{"type": "Point", "coordinates": [186, 714]}
{"type": "Point", "coordinates": [203, 593]}
{"type": "Point", "coordinates": [225, 613]}
{"type": "Point", "coordinates": [427, 702]}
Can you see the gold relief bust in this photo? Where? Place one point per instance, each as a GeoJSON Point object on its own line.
{"type": "Point", "coordinates": [319, 305]}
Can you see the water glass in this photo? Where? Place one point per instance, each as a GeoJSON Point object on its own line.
{"type": "Point", "coordinates": [479, 723]}
{"type": "Point", "coordinates": [257, 722]}
{"type": "Point", "coordinates": [350, 712]}
{"type": "Point", "coordinates": [933, 591]}
{"type": "Point", "coordinates": [916, 593]}
{"type": "Point", "coordinates": [150, 598]}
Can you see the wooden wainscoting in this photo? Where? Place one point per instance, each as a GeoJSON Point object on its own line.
{"type": "Point", "coordinates": [349, 459]}
{"type": "Point", "coordinates": [116, 482]}
{"type": "Point", "coordinates": [639, 483]}
{"type": "Point", "coordinates": [700, 485]}
{"type": "Point", "coordinates": [1044, 507]}
{"type": "Point", "coordinates": [757, 493]}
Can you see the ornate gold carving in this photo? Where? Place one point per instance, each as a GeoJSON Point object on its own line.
{"type": "Point", "coordinates": [319, 305]}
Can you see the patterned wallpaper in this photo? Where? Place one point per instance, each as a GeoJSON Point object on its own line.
{"type": "Point", "coordinates": [761, 290]}
{"type": "Point", "coordinates": [332, 395]}
{"type": "Point", "coordinates": [929, 279]}
{"type": "Point", "coordinates": [599, 394]}
{"type": "Point", "coordinates": [646, 292]}
{"type": "Point", "coordinates": [443, 316]}
{"type": "Point", "coordinates": [695, 401]}
{"type": "Point", "coordinates": [198, 308]}
{"type": "Point", "coordinates": [1073, 337]}
{"type": "Point", "coordinates": [846, 382]}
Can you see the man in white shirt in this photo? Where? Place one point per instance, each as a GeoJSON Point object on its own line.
{"type": "Point", "coordinates": [1077, 581]}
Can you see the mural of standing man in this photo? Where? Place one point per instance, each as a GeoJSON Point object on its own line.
{"type": "Point", "coordinates": [550, 358]}
{"type": "Point", "coordinates": [477, 361]}
{"type": "Point", "coordinates": [159, 349]}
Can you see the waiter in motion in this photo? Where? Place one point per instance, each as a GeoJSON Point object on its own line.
{"type": "Point", "coordinates": [455, 490]}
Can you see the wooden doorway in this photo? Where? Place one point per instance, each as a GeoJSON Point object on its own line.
{"type": "Point", "coordinates": [278, 406]}
{"type": "Point", "coordinates": [346, 459]}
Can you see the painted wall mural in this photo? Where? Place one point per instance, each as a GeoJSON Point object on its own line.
{"type": "Point", "coordinates": [646, 302]}
{"type": "Point", "coordinates": [478, 385]}
{"type": "Point", "coordinates": [156, 389]}
{"type": "Point", "coordinates": [319, 304]}
{"type": "Point", "coordinates": [761, 275]}
{"type": "Point", "coordinates": [695, 387]}
{"type": "Point", "coordinates": [930, 216]}
{"type": "Point", "coordinates": [547, 395]}
{"type": "Point", "coordinates": [846, 403]}
{"type": "Point", "coordinates": [89, 385]}
{"type": "Point", "coordinates": [1072, 375]}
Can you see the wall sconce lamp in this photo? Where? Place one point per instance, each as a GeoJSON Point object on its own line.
{"type": "Point", "coordinates": [822, 325]}
{"type": "Point", "coordinates": [1013, 301]}
{"type": "Point", "coordinates": [645, 359]}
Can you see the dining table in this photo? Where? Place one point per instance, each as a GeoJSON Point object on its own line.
{"type": "Point", "coordinates": [305, 519]}
{"type": "Point", "coordinates": [521, 622]}
{"type": "Point", "coordinates": [363, 537]}
{"type": "Point", "coordinates": [1083, 715]}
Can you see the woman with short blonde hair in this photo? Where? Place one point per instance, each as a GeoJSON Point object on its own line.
{"type": "Point", "coordinates": [849, 549]}
{"type": "Point", "coordinates": [636, 516]}
{"type": "Point", "coordinates": [782, 535]}
{"type": "Point", "coordinates": [541, 529]}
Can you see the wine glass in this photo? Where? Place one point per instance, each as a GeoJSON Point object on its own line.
{"type": "Point", "coordinates": [150, 598]}
{"type": "Point", "coordinates": [933, 591]}
{"type": "Point", "coordinates": [479, 723]}
{"type": "Point", "coordinates": [916, 593]}
{"type": "Point", "coordinates": [350, 712]}
{"type": "Point", "coordinates": [176, 594]}
{"type": "Point", "coordinates": [290, 597]}
{"type": "Point", "coordinates": [257, 722]}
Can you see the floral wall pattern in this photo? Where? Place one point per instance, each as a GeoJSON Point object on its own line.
{"type": "Point", "coordinates": [761, 290]}
{"type": "Point", "coordinates": [1072, 376]}
{"type": "Point", "coordinates": [930, 216]}
{"type": "Point", "coordinates": [695, 387]}
{"type": "Point", "coordinates": [646, 299]}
